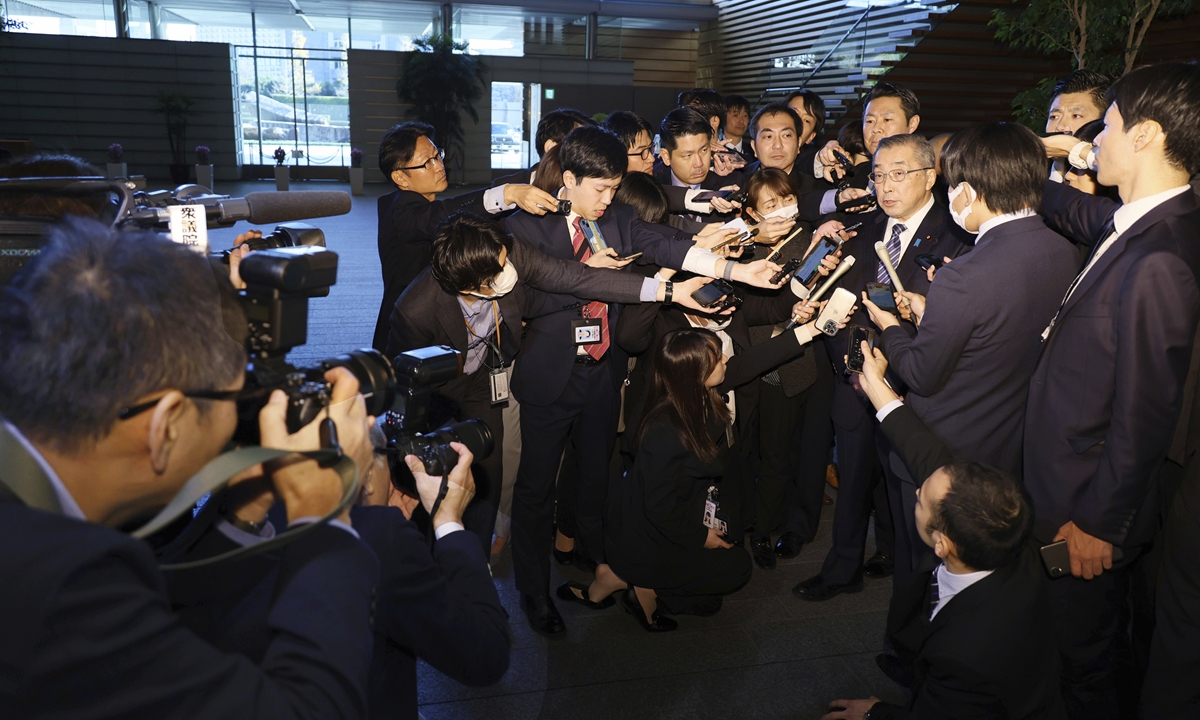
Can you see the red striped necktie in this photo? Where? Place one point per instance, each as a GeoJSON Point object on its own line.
{"type": "Point", "coordinates": [594, 310]}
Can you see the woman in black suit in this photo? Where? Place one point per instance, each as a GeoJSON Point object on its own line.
{"type": "Point", "coordinates": [658, 546]}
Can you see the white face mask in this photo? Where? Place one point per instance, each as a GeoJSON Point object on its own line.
{"type": "Point", "coordinates": [786, 211]}
{"type": "Point", "coordinates": [961, 218]}
{"type": "Point", "coordinates": [501, 285]}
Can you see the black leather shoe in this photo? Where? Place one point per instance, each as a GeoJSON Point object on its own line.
{"type": "Point", "coordinates": [564, 557]}
{"type": "Point", "coordinates": [764, 554]}
{"type": "Point", "coordinates": [661, 623]}
{"type": "Point", "coordinates": [566, 591]}
{"type": "Point", "coordinates": [789, 545]}
{"type": "Point", "coordinates": [880, 566]}
{"type": "Point", "coordinates": [543, 616]}
{"type": "Point", "coordinates": [817, 590]}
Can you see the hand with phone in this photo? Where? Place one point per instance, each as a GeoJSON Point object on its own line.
{"type": "Point", "coordinates": [830, 167]}
{"type": "Point", "coordinates": [932, 268]}
{"type": "Point", "coordinates": [881, 316]}
{"type": "Point", "coordinates": [725, 201]}
{"type": "Point", "coordinates": [607, 258]}
{"type": "Point", "coordinates": [871, 380]}
{"type": "Point", "coordinates": [716, 238]}
{"type": "Point", "coordinates": [685, 292]}
{"type": "Point", "coordinates": [854, 200]}
{"type": "Point", "coordinates": [1090, 556]}
{"type": "Point", "coordinates": [911, 305]}
{"type": "Point", "coordinates": [773, 229]}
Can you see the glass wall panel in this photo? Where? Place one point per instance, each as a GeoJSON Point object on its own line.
{"type": "Point", "coordinates": [91, 18]}
{"type": "Point", "coordinates": [396, 32]}
{"type": "Point", "coordinates": [509, 147]}
{"type": "Point", "coordinates": [490, 29]}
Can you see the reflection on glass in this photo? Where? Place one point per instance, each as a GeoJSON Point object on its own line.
{"type": "Point", "coordinates": [90, 18]}
{"type": "Point", "coordinates": [508, 105]}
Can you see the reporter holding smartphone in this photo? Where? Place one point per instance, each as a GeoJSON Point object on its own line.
{"type": "Point", "coordinates": [117, 381]}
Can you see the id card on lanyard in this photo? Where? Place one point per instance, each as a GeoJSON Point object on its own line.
{"type": "Point", "coordinates": [498, 376]}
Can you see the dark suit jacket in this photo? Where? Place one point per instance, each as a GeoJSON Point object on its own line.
{"type": "Point", "coordinates": [407, 223]}
{"type": "Point", "coordinates": [677, 195]}
{"type": "Point", "coordinates": [990, 651]}
{"type": "Point", "coordinates": [968, 368]}
{"type": "Point", "coordinates": [548, 348]}
{"type": "Point", "coordinates": [438, 605]}
{"type": "Point", "coordinates": [1106, 393]}
{"type": "Point", "coordinates": [88, 630]}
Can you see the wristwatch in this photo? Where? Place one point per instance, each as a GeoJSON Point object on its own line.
{"type": "Point", "coordinates": [668, 291]}
{"type": "Point", "coordinates": [244, 525]}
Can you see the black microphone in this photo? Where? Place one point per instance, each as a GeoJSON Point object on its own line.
{"type": "Point", "coordinates": [259, 208]}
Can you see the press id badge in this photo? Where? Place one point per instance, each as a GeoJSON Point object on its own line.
{"type": "Point", "coordinates": [499, 380]}
{"type": "Point", "coordinates": [586, 331]}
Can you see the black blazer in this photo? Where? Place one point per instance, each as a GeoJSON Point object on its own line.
{"type": "Point", "coordinates": [88, 630]}
{"type": "Point", "coordinates": [439, 605]}
{"type": "Point", "coordinates": [967, 370]}
{"type": "Point", "coordinates": [549, 353]}
{"type": "Point", "coordinates": [1106, 393]}
{"type": "Point", "coordinates": [407, 223]}
{"type": "Point", "coordinates": [990, 651]}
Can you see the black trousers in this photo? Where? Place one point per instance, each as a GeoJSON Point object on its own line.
{"type": "Point", "coordinates": [471, 398]}
{"type": "Point", "coordinates": [716, 573]}
{"type": "Point", "coordinates": [587, 412]}
{"type": "Point", "coordinates": [795, 435]}
{"type": "Point", "coordinates": [859, 486]}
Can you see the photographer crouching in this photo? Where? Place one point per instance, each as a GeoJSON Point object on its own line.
{"type": "Point", "coordinates": [117, 384]}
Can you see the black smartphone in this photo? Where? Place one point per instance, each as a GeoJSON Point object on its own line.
{"type": "Point", "coordinates": [789, 268]}
{"type": "Point", "coordinates": [930, 261]}
{"type": "Point", "coordinates": [634, 256]}
{"type": "Point", "coordinates": [1057, 559]}
{"type": "Point", "coordinates": [882, 295]}
{"type": "Point", "coordinates": [851, 228]}
{"type": "Point", "coordinates": [861, 204]}
{"type": "Point", "coordinates": [707, 195]}
{"type": "Point", "coordinates": [710, 294]}
{"type": "Point", "coordinates": [812, 263]}
{"type": "Point", "coordinates": [564, 208]}
{"type": "Point", "coordinates": [854, 353]}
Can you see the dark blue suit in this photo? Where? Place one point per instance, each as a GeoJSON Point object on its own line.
{"type": "Point", "coordinates": [560, 396]}
{"type": "Point", "coordinates": [88, 630]}
{"type": "Point", "coordinates": [440, 606]}
{"type": "Point", "coordinates": [1103, 403]}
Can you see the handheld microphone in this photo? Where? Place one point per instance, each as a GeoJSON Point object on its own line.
{"type": "Point", "coordinates": [816, 295]}
{"type": "Point", "coordinates": [259, 208]}
{"type": "Point", "coordinates": [881, 251]}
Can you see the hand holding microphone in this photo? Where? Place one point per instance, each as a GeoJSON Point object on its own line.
{"type": "Point", "coordinates": [824, 288]}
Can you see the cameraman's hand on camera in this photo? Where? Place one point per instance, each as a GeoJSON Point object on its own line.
{"type": "Point", "coordinates": [460, 486]}
{"type": "Point", "coordinates": [831, 168]}
{"type": "Point", "coordinates": [871, 381]}
{"type": "Point", "coordinates": [606, 258]}
{"type": "Point", "coordinates": [240, 250]}
{"type": "Point", "coordinates": [532, 200]}
{"type": "Point", "coordinates": [714, 541]}
{"type": "Point", "coordinates": [306, 489]}
{"type": "Point", "coordinates": [757, 273]}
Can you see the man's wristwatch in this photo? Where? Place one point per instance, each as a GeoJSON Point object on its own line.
{"type": "Point", "coordinates": [668, 291]}
{"type": "Point", "coordinates": [244, 525]}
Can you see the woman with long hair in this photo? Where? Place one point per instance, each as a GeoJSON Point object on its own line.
{"type": "Point", "coordinates": [656, 540]}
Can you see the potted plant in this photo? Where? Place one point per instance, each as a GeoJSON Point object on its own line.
{"type": "Point", "coordinates": [117, 168]}
{"type": "Point", "coordinates": [356, 171]}
{"type": "Point", "coordinates": [175, 109]}
{"type": "Point", "coordinates": [282, 172]}
{"type": "Point", "coordinates": [440, 82]}
{"type": "Point", "coordinates": [204, 168]}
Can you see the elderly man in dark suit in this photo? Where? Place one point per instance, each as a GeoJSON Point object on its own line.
{"type": "Point", "coordinates": [967, 370]}
{"type": "Point", "coordinates": [480, 283]}
{"type": "Point", "coordinates": [972, 628]}
{"type": "Point", "coordinates": [910, 222]}
{"type": "Point", "coordinates": [1107, 390]}
{"type": "Point", "coordinates": [103, 423]}
{"type": "Point", "coordinates": [408, 218]}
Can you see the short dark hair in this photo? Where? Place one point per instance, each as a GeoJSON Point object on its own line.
{"type": "Point", "coordinates": [465, 252]}
{"type": "Point", "coordinates": [986, 513]}
{"type": "Point", "coordinates": [908, 99]}
{"type": "Point", "coordinates": [710, 104]}
{"type": "Point", "coordinates": [685, 98]}
{"type": "Point", "coordinates": [399, 144]}
{"type": "Point", "coordinates": [775, 108]}
{"type": "Point", "coordinates": [101, 318]}
{"type": "Point", "coordinates": [556, 124]}
{"type": "Point", "coordinates": [813, 103]}
{"type": "Point", "coordinates": [627, 125]}
{"type": "Point", "coordinates": [1084, 81]}
{"type": "Point", "coordinates": [734, 102]}
{"type": "Point", "coordinates": [681, 122]}
{"type": "Point", "coordinates": [1168, 94]}
{"type": "Point", "coordinates": [1004, 162]}
{"type": "Point", "coordinates": [1088, 131]}
{"type": "Point", "coordinates": [773, 179]}
{"type": "Point", "coordinates": [37, 204]}
{"type": "Point", "coordinates": [549, 174]}
{"type": "Point", "coordinates": [646, 196]}
{"type": "Point", "coordinates": [850, 137]}
{"type": "Point", "coordinates": [592, 152]}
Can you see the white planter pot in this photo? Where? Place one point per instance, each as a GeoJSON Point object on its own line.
{"type": "Point", "coordinates": [117, 170]}
{"type": "Point", "coordinates": [282, 177]}
{"type": "Point", "coordinates": [204, 176]}
{"type": "Point", "coordinates": [356, 181]}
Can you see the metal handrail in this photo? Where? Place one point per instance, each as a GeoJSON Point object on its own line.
{"type": "Point", "coordinates": [825, 59]}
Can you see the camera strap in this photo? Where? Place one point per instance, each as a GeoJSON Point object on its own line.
{"type": "Point", "coordinates": [215, 476]}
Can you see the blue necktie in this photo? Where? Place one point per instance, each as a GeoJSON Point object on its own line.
{"type": "Point", "coordinates": [893, 248]}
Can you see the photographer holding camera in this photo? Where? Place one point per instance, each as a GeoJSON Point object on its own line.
{"type": "Point", "coordinates": [116, 386]}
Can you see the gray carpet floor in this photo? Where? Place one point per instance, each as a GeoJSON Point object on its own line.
{"type": "Point", "coordinates": [765, 655]}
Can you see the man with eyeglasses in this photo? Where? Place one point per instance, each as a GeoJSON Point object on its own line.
{"type": "Point", "coordinates": [910, 222]}
{"type": "Point", "coordinates": [408, 218]}
{"type": "Point", "coordinates": [638, 136]}
{"type": "Point", "coordinates": [117, 378]}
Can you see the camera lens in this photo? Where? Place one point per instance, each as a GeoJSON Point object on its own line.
{"type": "Point", "coordinates": [376, 378]}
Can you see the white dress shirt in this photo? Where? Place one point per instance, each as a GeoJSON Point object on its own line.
{"type": "Point", "coordinates": [951, 584]}
{"type": "Point", "coordinates": [1001, 219]}
{"type": "Point", "coordinates": [910, 227]}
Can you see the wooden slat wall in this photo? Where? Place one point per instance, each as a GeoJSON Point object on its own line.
{"type": "Point", "coordinates": [1175, 39]}
{"type": "Point", "coordinates": [79, 95]}
{"type": "Point", "coordinates": [661, 58]}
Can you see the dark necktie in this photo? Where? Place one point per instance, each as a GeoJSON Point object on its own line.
{"type": "Point", "coordinates": [594, 310]}
{"type": "Point", "coordinates": [933, 592]}
{"type": "Point", "coordinates": [893, 248]}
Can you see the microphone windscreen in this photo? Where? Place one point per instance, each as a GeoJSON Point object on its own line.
{"type": "Point", "coordinates": [275, 207]}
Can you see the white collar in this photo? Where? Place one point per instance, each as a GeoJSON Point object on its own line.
{"type": "Point", "coordinates": [914, 222]}
{"type": "Point", "coordinates": [1006, 217]}
{"type": "Point", "coordinates": [70, 508]}
{"type": "Point", "coordinates": [1130, 213]}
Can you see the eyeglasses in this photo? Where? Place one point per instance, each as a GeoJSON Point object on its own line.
{"type": "Point", "coordinates": [895, 176]}
{"type": "Point", "coordinates": [428, 164]}
{"type": "Point", "coordinates": [644, 153]}
{"type": "Point", "coordinates": [133, 410]}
